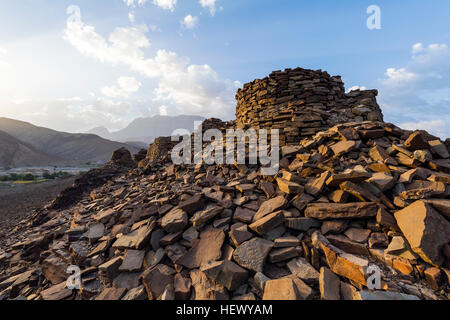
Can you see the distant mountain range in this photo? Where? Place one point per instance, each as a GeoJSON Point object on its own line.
{"type": "Point", "coordinates": [24, 144]}
{"type": "Point", "coordinates": [145, 130]}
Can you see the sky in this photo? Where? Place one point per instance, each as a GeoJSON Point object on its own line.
{"type": "Point", "coordinates": [79, 64]}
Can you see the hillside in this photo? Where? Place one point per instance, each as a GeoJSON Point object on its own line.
{"type": "Point", "coordinates": [15, 153]}
{"type": "Point", "coordinates": [147, 129]}
{"type": "Point", "coordinates": [64, 148]}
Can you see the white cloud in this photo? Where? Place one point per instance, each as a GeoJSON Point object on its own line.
{"type": "Point", "coordinates": [76, 114]}
{"type": "Point", "coordinates": [126, 87]}
{"type": "Point", "coordinates": [418, 47]}
{"type": "Point", "coordinates": [131, 17]}
{"type": "Point", "coordinates": [354, 88]}
{"type": "Point", "coordinates": [436, 126]}
{"type": "Point", "coordinates": [133, 3]}
{"type": "Point", "coordinates": [163, 110]}
{"type": "Point", "coordinates": [183, 88]}
{"type": "Point", "coordinates": [166, 4]}
{"type": "Point", "coordinates": [210, 5]}
{"type": "Point", "coordinates": [417, 94]}
{"type": "Point", "coordinates": [190, 22]}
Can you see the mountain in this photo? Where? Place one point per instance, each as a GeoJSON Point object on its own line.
{"type": "Point", "coordinates": [62, 147]}
{"type": "Point", "coordinates": [15, 153]}
{"type": "Point", "coordinates": [147, 129]}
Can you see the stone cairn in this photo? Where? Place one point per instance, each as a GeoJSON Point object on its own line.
{"type": "Point", "coordinates": [302, 102]}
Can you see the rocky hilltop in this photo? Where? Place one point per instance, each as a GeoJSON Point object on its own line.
{"type": "Point", "coordinates": [354, 198]}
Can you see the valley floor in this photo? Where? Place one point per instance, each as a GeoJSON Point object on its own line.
{"type": "Point", "coordinates": [19, 201]}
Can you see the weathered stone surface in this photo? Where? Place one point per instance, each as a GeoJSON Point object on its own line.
{"type": "Point", "coordinates": [286, 242]}
{"type": "Point", "coordinates": [416, 141]}
{"type": "Point", "coordinates": [281, 289]}
{"type": "Point", "coordinates": [329, 285]}
{"type": "Point", "coordinates": [343, 147]}
{"type": "Point", "coordinates": [324, 211]}
{"type": "Point", "coordinates": [205, 288]}
{"type": "Point", "coordinates": [283, 254]}
{"type": "Point", "coordinates": [358, 235]}
{"type": "Point", "coordinates": [267, 223]}
{"type": "Point", "coordinates": [111, 294]}
{"type": "Point", "coordinates": [136, 239]}
{"type": "Point", "coordinates": [334, 226]}
{"type": "Point", "coordinates": [382, 180]}
{"type": "Point", "coordinates": [289, 187]}
{"type": "Point", "coordinates": [347, 245]}
{"type": "Point", "coordinates": [132, 261]}
{"type": "Point", "coordinates": [182, 287]}
{"type": "Point", "coordinates": [226, 273]}
{"type": "Point", "coordinates": [208, 249]}
{"type": "Point", "coordinates": [441, 205]}
{"type": "Point", "coordinates": [425, 229]}
{"type": "Point", "coordinates": [239, 234]}
{"type": "Point", "coordinates": [57, 292]}
{"type": "Point", "coordinates": [270, 206]}
{"type": "Point", "coordinates": [54, 269]}
{"type": "Point", "coordinates": [383, 295]}
{"type": "Point", "coordinates": [252, 254]}
{"type": "Point", "coordinates": [136, 294]}
{"type": "Point", "coordinates": [244, 215]}
{"type": "Point", "coordinates": [315, 186]}
{"type": "Point", "coordinates": [156, 280]}
{"type": "Point", "coordinates": [352, 176]}
{"type": "Point", "coordinates": [433, 277]}
{"type": "Point", "coordinates": [175, 221]}
{"type": "Point", "coordinates": [303, 270]}
{"type": "Point", "coordinates": [340, 262]}
{"type": "Point", "coordinates": [302, 224]}
{"type": "Point", "coordinates": [95, 232]}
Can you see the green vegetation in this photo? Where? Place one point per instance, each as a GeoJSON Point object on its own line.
{"type": "Point", "coordinates": [29, 177]}
{"type": "Point", "coordinates": [54, 175]}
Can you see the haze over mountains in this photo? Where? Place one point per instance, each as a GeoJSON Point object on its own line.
{"type": "Point", "coordinates": [147, 129]}
{"type": "Point", "coordinates": [24, 144]}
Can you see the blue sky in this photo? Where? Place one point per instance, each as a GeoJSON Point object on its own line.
{"type": "Point", "coordinates": [117, 60]}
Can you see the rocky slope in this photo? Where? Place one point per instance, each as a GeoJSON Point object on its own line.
{"type": "Point", "coordinates": [355, 200]}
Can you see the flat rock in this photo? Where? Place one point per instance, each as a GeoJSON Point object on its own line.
{"type": "Point", "coordinates": [302, 224]}
{"type": "Point", "coordinates": [156, 280]}
{"type": "Point", "coordinates": [340, 262]}
{"type": "Point", "coordinates": [270, 206]}
{"type": "Point", "coordinates": [252, 254]}
{"type": "Point", "coordinates": [343, 147]}
{"type": "Point", "coordinates": [132, 261]}
{"type": "Point", "coordinates": [303, 270]}
{"type": "Point", "coordinates": [174, 221]}
{"type": "Point", "coordinates": [383, 295]}
{"type": "Point", "coordinates": [425, 229]}
{"type": "Point", "coordinates": [268, 223]}
{"type": "Point", "coordinates": [205, 288]}
{"type": "Point", "coordinates": [329, 285]}
{"type": "Point", "coordinates": [57, 292]}
{"type": "Point", "coordinates": [226, 273]}
{"type": "Point", "coordinates": [207, 249]}
{"type": "Point", "coordinates": [324, 211]}
{"type": "Point", "coordinates": [289, 187]}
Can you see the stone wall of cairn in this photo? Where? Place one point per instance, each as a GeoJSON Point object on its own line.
{"type": "Point", "coordinates": [302, 102]}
